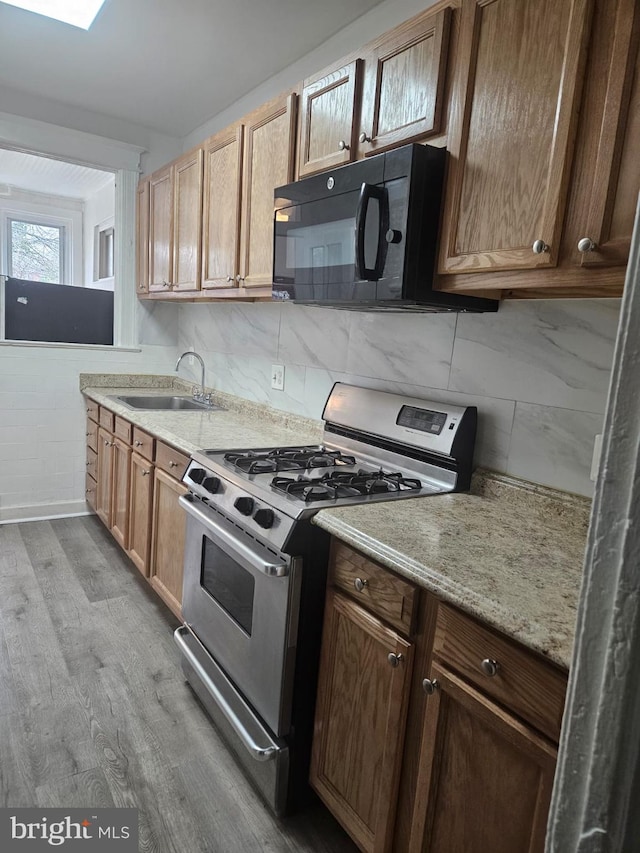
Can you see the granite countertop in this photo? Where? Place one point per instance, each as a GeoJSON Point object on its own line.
{"type": "Point", "coordinates": [242, 425]}
{"type": "Point", "coordinates": [509, 552]}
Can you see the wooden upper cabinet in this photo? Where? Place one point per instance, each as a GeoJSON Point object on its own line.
{"type": "Point", "coordinates": [268, 162]}
{"type": "Point", "coordinates": [221, 208]}
{"type": "Point", "coordinates": [516, 96]}
{"type": "Point", "coordinates": [404, 83]}
{"type": "Point", "coordinates": [187, 221]}
{"type": "Point", "coordinates": [142, 237]}
{"type": "Point", "coordinates": [328, 128]}
{"type": "Point", "coordinates": [607, 176]}
{"type": "Point", "coordinates": [161, 229]}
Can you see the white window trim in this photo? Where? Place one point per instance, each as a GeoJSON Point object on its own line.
{"type": "Point", "coordinates": [70, 220]}
{"type": "Point", "coordinates": [37, 137]}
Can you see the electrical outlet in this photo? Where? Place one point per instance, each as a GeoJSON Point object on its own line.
{"type": "Point", "coordinates": [595, 459]}
{"type": "Point", "coordinates": [277, 377]}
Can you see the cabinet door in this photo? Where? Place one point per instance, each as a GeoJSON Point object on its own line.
{"type": "Point", "coordinates": [140, 506]}
{"type": "Point", "coordinates": [187, 221]}
{"type": "Point", "coordinates": [161, 229]}
{"type": "Point", "coordinates": [360, 721]}
{"type": "Point", "coordinates": [485, 779]}
{"type": "Point", "coordinates": [268, 162]}
{"type": "Point", "coordinates": [615, 168]}
{"type": "Point", "coordinates": [142, 237]}
{"type": "Point", "coordinates": [167, 549]}
{"type": "Point", "coordinates": [120, 492]}
{"type": "Point", "coordinates": [221, 208]}
{"type": "Point", "coordinates": [511, 154]}
{"type": "Point", "coordinates": [328, 129]}
{"type": "Point", "coordinates": [404, 83]}
{"type": "Point", "coordinates": [105, 476]}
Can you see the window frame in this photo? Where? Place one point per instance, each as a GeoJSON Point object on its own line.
{"type": "Point", "coordinates": [46, 222]}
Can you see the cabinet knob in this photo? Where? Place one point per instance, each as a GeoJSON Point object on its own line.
{"type": "Point", "coordinates": [342, 145]}
{"type": "Point", "coordinates": [166, 284]}
{"type": "Point", "coordinates": [229, 278]}
{"type": "Point", "coordinates": [394, 660]}
{"type": "Point", "coordinates": [137, 442]}
{"type": "Point", "coordinates": [540, 247]}
{"type": "Point", "coordinates": [490, 667]}
{"type": "Point", "coordinates": [430, 686]}
{"type": "Point", "coordinates": [360, 583]}
{"type": "Point", "coordinates": [364, 138]}
{"type": "Point", "coordinates": [172, 464]}
{"type": "Point", "coordinates": [586, 244]}
{"type": "Point", "coordinates": [145, 472]}
{"type": "Point", "coordinates": [240, 277]}
{"type": "Point", "coordinates": [106, 443]}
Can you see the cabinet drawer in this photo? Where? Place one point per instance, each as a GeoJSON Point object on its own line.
{"type": "Point", "coordinates": [143, 443]}
{"type": "Point", "coordinates": [377, 589]}
{"type": "Point", "coordinates": [170, 460]}
{"type": "Point", "coordinates": [92, 410]}
{"type": "Point", "coordinates": [526, 684]}
{"type": "Point", "coordinates": [92, 435]}
{"type": "Point", "coordinates": [106, 419]}
{"type": "Point", "coordinates": [92, 463]}
{"type": "Point", "coordinates": [90, 491]}
{"type": "Point", "coordinates": [123, 430]}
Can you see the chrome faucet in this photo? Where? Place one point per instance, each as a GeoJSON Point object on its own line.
{"type": "Point", "coordinates": [198, 393]}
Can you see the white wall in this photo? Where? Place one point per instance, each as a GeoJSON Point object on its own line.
{"type": "Point", "coordinates": [538, 370]}
{"type": "Point", "coordinates": [99, 209]}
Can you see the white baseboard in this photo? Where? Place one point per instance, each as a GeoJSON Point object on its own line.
{"type": "Point", "coordinates": [43, 512]}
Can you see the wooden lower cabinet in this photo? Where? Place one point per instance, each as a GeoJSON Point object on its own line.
{"type": "Point", "coordinates": [442, 741]}
{"type": "Point", "coordinates": [105, 476]}
{"type": "Point", "coordinates": [363, 690]}
{"type": "Point", "coordinates": [140, 508]}
{"type": "Point", "coordinates": [485, 777]}
{"type": "Point", "coordinates": [120, 492]}
{"type": "Point", "coordinates": [167, 548]}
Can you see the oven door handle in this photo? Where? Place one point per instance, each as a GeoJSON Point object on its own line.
{"type": "Point", "coordinates": [258, 752]}
{"type": "Point", "coordinates": [231, 543]}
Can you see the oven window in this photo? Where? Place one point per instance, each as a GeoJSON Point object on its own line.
{"type": "Point", "coordinates": [228, 583]}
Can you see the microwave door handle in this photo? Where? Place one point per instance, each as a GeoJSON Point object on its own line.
{"type": "Point", "coordinates": [367, 192]}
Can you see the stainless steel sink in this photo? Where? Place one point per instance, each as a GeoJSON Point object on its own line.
{"type": "Point", "coordinates": [174, 404]}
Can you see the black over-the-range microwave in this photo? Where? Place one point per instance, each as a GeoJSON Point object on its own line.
{"type": "Point", "coordinates": [364, 236]}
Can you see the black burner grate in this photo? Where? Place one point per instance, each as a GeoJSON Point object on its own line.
{"type": "Point", "coordinates": [287, 459]}
{"type": "Point", "coordinates": [337, 484]}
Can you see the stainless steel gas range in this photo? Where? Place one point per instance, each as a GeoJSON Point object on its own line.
{"type": "Point", "coordinates": [255, 567]}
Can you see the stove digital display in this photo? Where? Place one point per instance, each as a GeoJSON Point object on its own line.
{"type": "Point", "coordinates": [423, 419]}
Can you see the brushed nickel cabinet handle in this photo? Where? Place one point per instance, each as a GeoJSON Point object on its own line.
{"type": "Point", "coordinates": [137, 443]}
{"type": "Point", "coordinates": [490, 667]}
{"type": "Point", "coordinates": [229, 278]}
{"type": "Point", "coordinates": [342, 145]}
{"type": "Point", "coordinates": [145, 472]}
{"type": "Point", "coordinates": [364, 138]}
{"type": "Point", "coordinates": [360, 584]}
{"type": "Point", "coordinates": [395, 660]}
{"type": "Point", "coordinates": [173, 464]}
{"type": "Point", "coordinates": [430, 686]}
{"type": "Point", "coordinates": [540, 247]}
{"type": "Point", "coordinates": [586, 244]}
{"type": "Point", "coordinates": [240, 277]}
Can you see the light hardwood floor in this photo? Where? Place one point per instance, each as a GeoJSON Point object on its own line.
{"type": "Point", "coordinates": [94, 710]}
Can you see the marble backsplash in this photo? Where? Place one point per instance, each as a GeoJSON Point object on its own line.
{"type": "Point", "coordinates": [538, 370]}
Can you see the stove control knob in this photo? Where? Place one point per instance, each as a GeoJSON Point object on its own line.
{"type": "Point", "coordinates": [265, 518]}
{"type": "Point", "coordinates": [244, 505]}
{"type": "Point", "coordinates": [211, 484]}
{"type": "Point", "coordinates": [197, 475]}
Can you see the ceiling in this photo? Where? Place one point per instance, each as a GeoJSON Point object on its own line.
{"type": "Point", "coordinates": [44, 175]}
{"type": "Point", "coordinates": [166, 64]}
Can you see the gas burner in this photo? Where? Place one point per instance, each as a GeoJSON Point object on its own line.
{"type": "Point", "coordinates": [287, 459]}
{"type": "Point", "coordinates": [337, 484]}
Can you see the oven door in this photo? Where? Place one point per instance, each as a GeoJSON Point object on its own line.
{"type": "Point", "coordinates": [241, 601]}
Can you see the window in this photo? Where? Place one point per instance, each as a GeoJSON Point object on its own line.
{"type": "Point", "coordinates": [103, 253]}
{"type": "Point", "coordinates": [36, 250]}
